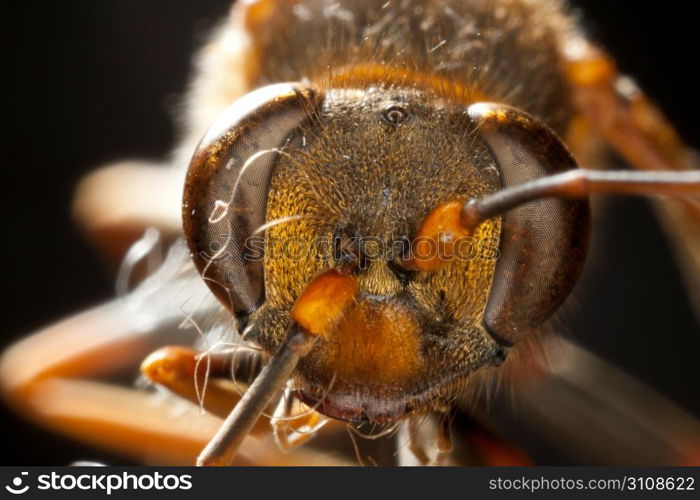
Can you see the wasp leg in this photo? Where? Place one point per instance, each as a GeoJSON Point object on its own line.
{"type": "Point", "coordinates": [411, 451]}
{"type": "Point", "coordinates": [443, 440]}
{"type": "Point", "coordinates": [418, 430]}
{"type": "Point", "coordinates": [294, 423]}
{"type": "Point", "coordinates": [636, 129]}
{"type": "Point", "coordinates": [219, 386]}
{"type": "Point", "coordinates": [40, 377]}
{"type": "Point", "coordinates": [115, 204]}
{"type": "Point", "coordinates": [91, 344]}
{"type": "Point", "coordinates": [36, 378]}
{"type": "Point", "coordinates": [415, 445]}
{"type": "Point", "coordinates": [621, 113]}
{"type": "Point", "coordinates": [122, 420]}
{"type": "Point", "coordinates": [212, 388]}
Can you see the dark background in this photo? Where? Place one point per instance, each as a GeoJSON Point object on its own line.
{"type": "Point", "coordinates": [95, 81]}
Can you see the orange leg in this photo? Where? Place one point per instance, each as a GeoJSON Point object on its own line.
{"type": "Point", "coordinates": [616, 110]}
{"type": "Point", "coordinates": [116, 203]}
{"type": "Point", "coordinates": [43, 377]}
{"type": "Point", "coordinates": [294, 423]}
{"type": "Point", "coordinates": [201, 380]}
{"type": "Point", "coordinates": [620, 112]}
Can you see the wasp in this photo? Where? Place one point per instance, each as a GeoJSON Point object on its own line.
{"type": "Point", "coordinates": [383, 211]}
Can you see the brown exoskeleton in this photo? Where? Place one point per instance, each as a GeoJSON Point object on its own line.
{"type": "Point", "coordinates": [386, 144]}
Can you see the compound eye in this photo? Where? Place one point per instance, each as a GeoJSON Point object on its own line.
{"type": "Point", "coordinates": [226, 190]}
{"type": "Point", "coordinates": [544, 242]}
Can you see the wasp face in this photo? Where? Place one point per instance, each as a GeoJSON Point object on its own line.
{"type": "Point", "coordinates": [354, 184]}
{"type": "Point", "coordinates": [295, 182]}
